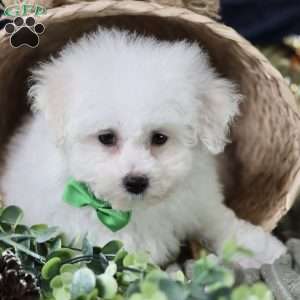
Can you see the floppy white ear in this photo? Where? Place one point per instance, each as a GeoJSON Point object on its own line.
{"type": "Point", "coordinates": [46, 95]}
{"type": "Point", "coordinates": [219, 105]}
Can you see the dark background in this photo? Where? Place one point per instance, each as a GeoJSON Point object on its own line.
{"type": "Point", "coordinates": [262, 21]}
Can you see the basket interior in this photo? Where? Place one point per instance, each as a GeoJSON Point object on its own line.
{"type": "Point", "coordinates": [250, 161]}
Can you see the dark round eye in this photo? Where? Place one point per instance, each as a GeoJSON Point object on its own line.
{"type": "Point", "coordinates": [158, 139]}
{"type": "Point", "coordinates": [108, 139]}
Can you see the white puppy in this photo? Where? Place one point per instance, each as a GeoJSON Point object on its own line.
{"type": "Point", "coordinates": [139, 121]}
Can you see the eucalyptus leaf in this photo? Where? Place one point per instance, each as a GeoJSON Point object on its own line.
{"type": "Point", "coordinates": [69, 268]}
{"type": "Point", "coordinates": [93, 295]}
{"type": "Point", "coordinates": [138, 260]}
{"type": "Point", "coordinates": [51, 268]}
{"type": "Point", "coordinates": [66, 278]}
{"type": "Point", "coordinates": [63, 253]}
{"type": "Point", "coordinates": [56, 282]}
{"type": "Point", "coordinates": [149, 291]}
{"type": "Point", "coordinates": [6, 228]}
{"type": "Point", "coordinates": [38, 228]}
{"type": "Point", "coordinates": [110, 272]}
{"type": "Point", "coordinates": [112, 247]}
{"type": "Point", "coordinates": [21, 248]}
{"type": "Point", "coordinates": [84, 281]}
{"type": "Point", "coordinates": [11, 215]}
{"type": "Point", "coordinates": [22, 229]}
{"type": "Point", "coordinates": [61, 294]}
{"type": "Point", "coordinates": [261, 291]}
{"type": "Point", "coordinates": [87, 248]}
{"type": "Point", "coordinates": [107, 286]}
{"type": "Point", "coordinates": [54, 245]}
{"type": "Point", "coordinates": [173, 290]}
{"type": "Point", "coordinates": [111, 269]}
{"type": "Point", "coordinates": [48, 234]}
{"type": "Point", "coordinates": [120, 256]}
{"type": "Point", "coordinates": [243, 293]}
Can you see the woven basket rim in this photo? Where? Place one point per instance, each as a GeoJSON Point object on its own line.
{"type": "Point", "coordinates": [101, 8]}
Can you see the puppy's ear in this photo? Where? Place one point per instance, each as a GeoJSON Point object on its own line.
{"type": "Point", "coordinates": [219, 105]}
{"type": "Point", "coordinates": [46, 98]}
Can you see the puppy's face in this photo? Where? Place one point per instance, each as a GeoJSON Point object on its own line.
{"type": "Point", "coordinates": [132, 149]}
{"type": "Point", "coordinates": [131, 115]}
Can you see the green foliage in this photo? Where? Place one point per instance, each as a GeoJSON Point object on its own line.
{"type": "Point", "coordinates": [111, 273]}
{"type": "Point", "coordinates": [286, 58]}
{"type": "Point", "coordinates": [257, 292]}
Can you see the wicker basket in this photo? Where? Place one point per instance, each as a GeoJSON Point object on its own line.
{"type": "Point", "coordinates": [260, 167]}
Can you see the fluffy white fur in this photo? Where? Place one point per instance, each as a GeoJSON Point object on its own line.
{"type": "Point", "coordinates": [134, 85]}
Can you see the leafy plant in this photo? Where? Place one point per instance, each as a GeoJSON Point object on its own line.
{"type": "Point", "coordinates": [110, 272]}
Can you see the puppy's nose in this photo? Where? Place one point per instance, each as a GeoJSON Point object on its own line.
{"type": "Point", "coordinates": [135, 184]}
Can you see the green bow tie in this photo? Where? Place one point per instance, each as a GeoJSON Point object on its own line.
{"type": "Point", "coordinates": [77, 194]}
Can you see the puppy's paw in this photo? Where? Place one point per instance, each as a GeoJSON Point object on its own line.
{"type": "Point", "coordinates": [265, 248]}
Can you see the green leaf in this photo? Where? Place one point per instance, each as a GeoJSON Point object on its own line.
{"type": "Point", "coordinates": [148, 288]}
{"type": "Point", "coordinates": [84, 281]}
{"type": "Point", "coordinates": [93, 295]}
{"type": "Point", "coordinates": [41, 249]}
{"type": "Point", "coordinates": [137, 260]}
{"type": "Point", "coordinates": [11, 215]}
{"type": "Point", "coordinates": [261, 291]}
{"type": "Point", "coordinates": [149, 291]}
{"type": "Point", "coordinates": [51, 268]}
{"type": "Point", "coordinates": [258, 291]}
{"type": "Point", "coordinates": [242, 293]}
{"type": "Point", "coordinates": [17, 236]}
{"type": "Point", "coordinates": [178, 276]}
{"type": "Point", "coordinates": [47, 234]}
{"type": "Point", "coordinates": [69, 268]}
{"type": "Point", "coordinates": [129, 260]}
{"type": "Point", "coordinates": [38, 228]}
{"type": "Point", "coordinates": [87, 248]}
{"type": "Point", "coordinates": [173, 290]}
{"type": "Point", "coordinates": [54, 245]}
{"type": "Point", "coordinates": [21, 248]}
{"type": "Point", "coordinates": [22, 229]}
{"type": "Point", "coordinates": [222, 279]}
{"type": "Point", "coordinates": [107, 286]}
{"type": "Point", "coordinates": [111, 269]}
{"type": "Point", "coordinates": [112, 247]}
{"type": "Point", "coordinates": [56, 282]}
{"type": "Point", "coordinates": [25, 237]}
{"type": "Point", "coordinates": [66, 278]}
{"type": "Point", "coordinates": [63, 253]}
{"type": "Point", "coordinates": [129, 277]}
{"type": "Point", "coordinates": [113, 273]}
{"type": "Point", "coordinates": [61, 294]}
{"type": "Point", "coordinates": [120, 256]}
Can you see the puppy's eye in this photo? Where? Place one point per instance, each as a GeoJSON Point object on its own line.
{"type": "Point", "coordinates": [158, 139]}
{"type": "Point", "coordinates": [108, 139]}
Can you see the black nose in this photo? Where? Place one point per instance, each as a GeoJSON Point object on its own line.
{"type": "Point", "coordinates": [135, 184]}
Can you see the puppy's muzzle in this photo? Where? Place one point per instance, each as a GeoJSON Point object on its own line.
{"type": "Point", "coordinates": [136, 184]}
